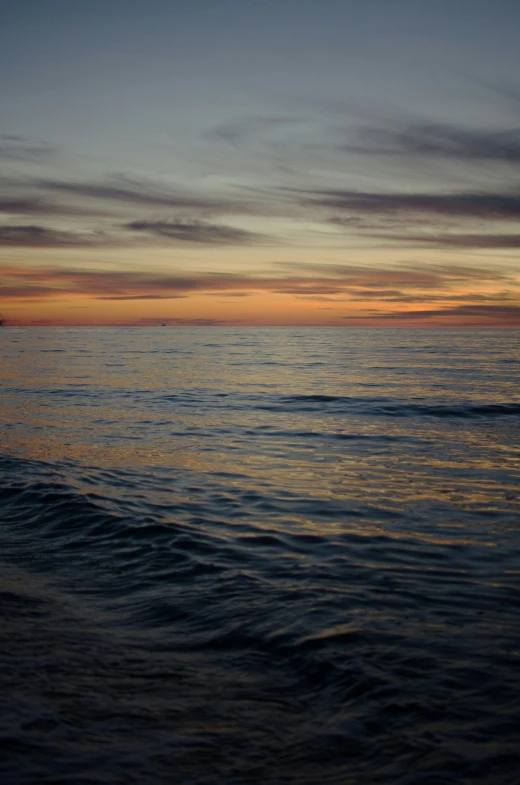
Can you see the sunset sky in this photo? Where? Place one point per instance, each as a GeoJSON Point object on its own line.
{"type": "Point", "coordinates": [287, 162]}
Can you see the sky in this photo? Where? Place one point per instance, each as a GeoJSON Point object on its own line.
{"type": "Point", "coordinates": [226, 162]}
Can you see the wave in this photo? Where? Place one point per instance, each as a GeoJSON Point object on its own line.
{"type": "Point", "coordinates": [391, 408]}
{"type": "Point", "coordinates": [117, 534]}
{"type": "Point", "coordinates": [158, 622]}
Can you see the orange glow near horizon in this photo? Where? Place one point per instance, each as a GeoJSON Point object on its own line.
{"type": "Point", "coordinates": [326, 295]}
{"type": "Point", "coordinates": [254, 309]}
{"type": "Point", "coordinates": [214, 184]}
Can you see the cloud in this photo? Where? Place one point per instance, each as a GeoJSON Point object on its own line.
{"type": "Point", "coordinates": [33, 236]}
{"type": "Point", "coordinates": [245, 129]}
{"type": "Point", "coordinates": [363, 293]}
{"type": "Point", "coordinates": [402, 284]}
{"type": "Point", "coordinates": [117, 284]}
{"type": "Point", "coordinates": [126, 191]}
{"type": "Point", "coordinates": [299, 288]}
{"type": "Point", "coordinates": [228, 294]}
{"type": "Point", "coordinates": [397, 216]}
{"type": "Point", "coordinates": [481, 206]}
{"type": "Point", "coordinates": [28, 291]}
{"type": "Point", "coordinates": [143, 297]}
{"type": "Point", "coordinates": [21, 206]}
{"type": "Point", "coordinates": [168, 321]}
{"type": "Point", "coordinates": [459, 240]}
{"type": "Point", "coordinates": [200, 232]}
{"type": "Point", "coordinates": [417, 147]}
{"type": "Point", "coordinates": [18, 148]}
{"type": "Point", "coordinates": [406, 275]}
{"type": "Point", "coordinates": [41, 207]}
{"type": "Point", "coordinates": [396, 296]}
{"type": "Point", "coordinates": [276, 144]}
{"type": "Point", "coordinates": [437, 140]}
{"type": "Point", "coordinates": [502, 312]}
{"type": "Point", "coordinates": [197, 232]}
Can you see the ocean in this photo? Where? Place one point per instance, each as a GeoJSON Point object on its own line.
{"type": "Point", "coordinates": [259, 555]}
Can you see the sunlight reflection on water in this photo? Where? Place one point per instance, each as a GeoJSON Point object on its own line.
{"type": "Point", "coordinates": [267, 555]}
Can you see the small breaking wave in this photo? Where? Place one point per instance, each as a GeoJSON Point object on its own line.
{"type": "Point", "coordinates": [381, 406]}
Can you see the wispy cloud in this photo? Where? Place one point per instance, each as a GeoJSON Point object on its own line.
{"type": "Point", "coordinates": [458, 240]}
{"type": "Point", "coordinates": [471, 313]}
{"type": "Point", "coordinates": [180, 231]}
{"type": "Point", "coordinates": [405, 275]}
{"type": "Point", "coordinates": [243, 131]}
{"type": "Point", "coordinates": [41, 207]}
{"type": "Point", "coordinates": [34, 236]}
{"type": "Point", "coordinates": [197, 232]}
{"type": "Point", "coordinates": [19, 148]}
{"type": "Point", "coordinates": [482, 206]}
{"type": "Point", "coordinates": [440, 141]}
{"type": "Point", "coordinates": [22, 206]}
{"type": "Point", "coordinates": [397, 216]}
{"type": "Point", "coordinates": [430, 153]}
{"type": "Point", "coordinates": [125, 191]}
{"type": "Point", "coordinates": [339, 282]}
{"type": "Point", "coordinates": [142, 297]}
{"type": "Point", "coordinates": [169, 321]}
{"type": "Point", "coordinates": [28, 292]}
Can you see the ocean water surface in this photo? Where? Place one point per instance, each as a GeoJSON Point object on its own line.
{"type": "Point", "coordinates": [244, 555]}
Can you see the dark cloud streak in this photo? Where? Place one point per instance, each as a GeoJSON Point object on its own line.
{"type": "Point", "coordinates": [482, 206]}
{"type": "Point", "coordinates": [197, 232]}
{"type": "Point", "coordinates": [33, 236]}
{"type": "Point", "coordinates": [18, 148]}
{"type": "Point", "coordinates": [42, 207]}
{"type": "Point", "coordinates": [354, 283]}
{"type": "Point", "coordinates": [126, 191]}
{"type": "Point", "coordinates": [436, 140]}
{"type": "Point", "coordinates": [503, 241]}
{"type": "Point", "coordinates": [496, 312]}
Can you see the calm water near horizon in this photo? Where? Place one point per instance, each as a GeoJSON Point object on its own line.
{"type": "Point", "coordinates": [259, 555]}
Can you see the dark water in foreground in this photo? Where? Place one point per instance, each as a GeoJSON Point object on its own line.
{"type": "Point", "coordinates": [259, 556]}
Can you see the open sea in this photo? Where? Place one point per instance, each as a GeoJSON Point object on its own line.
{"type": "Point", "coordinates": [259, 556]}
